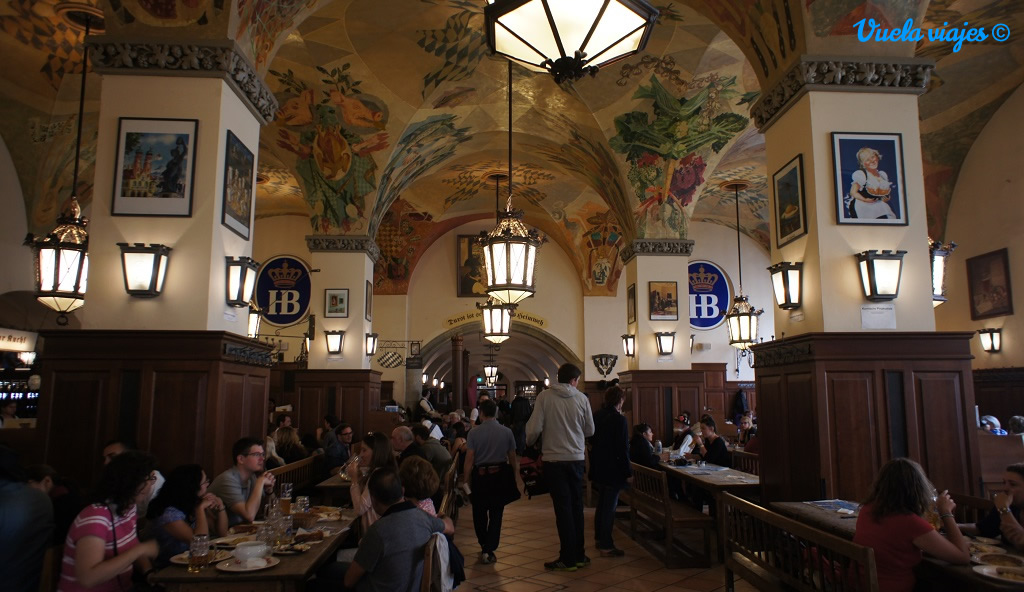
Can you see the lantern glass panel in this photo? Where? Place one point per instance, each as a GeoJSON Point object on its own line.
{"type": "Point", "coordinates": [778, 284]}
{"type": "Point", "coordinates": [531, 23]}
{"type": "Point", "coordinates": [887, 275]}
{"type": "Point", "coordinates": [138, 270]}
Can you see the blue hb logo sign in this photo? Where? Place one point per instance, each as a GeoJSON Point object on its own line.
{"type": "Point", "coordinates": [283, 290]}
{"type": "Point", "coordinates": [710, 296]}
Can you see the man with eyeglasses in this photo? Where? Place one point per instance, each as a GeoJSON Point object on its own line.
{"type": "Point", "coordinates": [339, 451]}
{"type": "Point", "coordinates": [243, 486]}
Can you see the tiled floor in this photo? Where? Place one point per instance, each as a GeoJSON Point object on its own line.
{"type": "Point", "coordinates": [529, 538]}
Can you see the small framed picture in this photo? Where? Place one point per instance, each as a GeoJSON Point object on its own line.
{"type": "Point", "coordinates": [631, 304]}
{"type": "Point", "coordinates": [790, 209]}
{"type": "Point", "coordinates": [414, 348]}
{"type": "Point", "coordinates": [469, 267]}
{"type": "Point", "coordinates": [369, 301]}
{"type": "Point", "coordinates": [155, 167]}
{"type": "Point", "coordinates": [870, 188]}
{"type": "Point", "coordinates": [664, 299]}
{"type": "Point", "coordinates": [336, 303]}
{"type": "Point", "coordinates": [988, 285]}
{"type": "Point", "coordinates": [239, 165]}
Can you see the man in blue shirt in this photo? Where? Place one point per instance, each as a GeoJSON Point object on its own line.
{"type": "Point", "coordinates": [26, 524]}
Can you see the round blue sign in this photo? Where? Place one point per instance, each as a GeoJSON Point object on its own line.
{"type": "Point", "coordinates": [710, 295]}
{"type": "Point", "coordinates": [283, 290]}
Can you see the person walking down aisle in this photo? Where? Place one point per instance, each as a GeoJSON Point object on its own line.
{"type": "Point", "coordinates": [609, 467]}
{"type": "Point", "coordinates": [490, 456]}
{"type": "Point", "coordinates": [562, 419]}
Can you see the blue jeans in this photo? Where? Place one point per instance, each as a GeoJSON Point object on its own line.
{"type": "Point", "coordinates": [565, 482]}
{"type": "Point", "coordinates": [604, 515]}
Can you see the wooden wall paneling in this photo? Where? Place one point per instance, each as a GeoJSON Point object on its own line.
{"type": "Point", "coordinates": [851, 435]}
{"type": "Point", "coordinates": [174, 417]}
{"type": "Point", "coordinates": [999, 392]}
{"type": "Point", "coordinates": [79, 410]}
{"type": "Point", "coordinates": [646, 403]}
{"type": "Point", "coordinates": [944, 428]}
{"type": "Point", "coordinates": [354, 406]}
{"type": "Point", "coordinates": [231, 420]}
{"type": "Point", "coordinates": [311, 406]}
{"type": "Point", "coordinates": [773, 435]}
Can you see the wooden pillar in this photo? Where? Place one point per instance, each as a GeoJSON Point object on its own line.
{"type": "Point", "coordinates": [833, 407]}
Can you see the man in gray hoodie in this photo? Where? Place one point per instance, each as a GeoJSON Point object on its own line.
{"type": "Point", "coordinates": [562, 417]}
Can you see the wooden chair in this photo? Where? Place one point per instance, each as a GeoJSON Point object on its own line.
{"type": "Point", "coordinates": [650, 498]}
{"type": "Point", "coordinates": [970, 509]}
{"type": "Point", "coordinates": [747, 462]}
{"type": "Point", "coordinates": [428, 564]}
{"type": "Point", "coordinates": [49, 577]}
{"type": "Point", "coordinates": [777, 553]}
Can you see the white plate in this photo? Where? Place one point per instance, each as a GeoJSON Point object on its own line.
{"type": "Point", "coordinates": [991, 571]}
{"type": "Point", "coordinates": [986, 541]}
{"type": "Point", "coordinates": [980, 549]}
{"type": "Point", "coordinates": [231, 541]}
{"type": "Point", "coordinates": [235, 566]}
{"type": "Point", "coordinates": [995, 558]}
{"type": "Point", "coordinates": [218, 555]}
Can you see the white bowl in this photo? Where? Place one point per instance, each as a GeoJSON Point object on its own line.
{"type": "Point", "coordinates": [251, 550]}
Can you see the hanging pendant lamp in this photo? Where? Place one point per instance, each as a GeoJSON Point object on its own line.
{"type": "Point", "coordinates": [510, 249]}
{"type": "Point", "coordinates": [62, 257]}
{"type": "Point", "coordinates": [568, 38]}
{"type": "Point", "coordinates": [497, 320]}
{"type": "Point", "coordinates": [742, 317]}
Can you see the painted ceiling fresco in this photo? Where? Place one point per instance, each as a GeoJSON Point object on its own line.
{"type": "Point", "coordinates": [394, 127]}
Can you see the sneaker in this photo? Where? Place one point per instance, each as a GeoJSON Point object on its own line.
{"type": "Point", "coordinates": [485, 558]}
{"type": "Point", "coordinates": [559, 566]}
{"type": "Point", "coordinates": [613, 552]}
{"type": "Point", "coordinates": [585, 562]}
{"type": "Point", "coordinates": [491, 558]}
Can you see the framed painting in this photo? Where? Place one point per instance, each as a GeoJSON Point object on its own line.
{"type": "Point", "coordinates": [155, 167]}
{"type": "Point", "coordinates": [664, 299]}
{"type": "Point", "coordinates": [414, 348]}
{"type": "Point", "coordinates": [336, 303]}
{"type": "Point", "coordinates": [631, 304]}
{"type": "Point", "coordinates": [870, 188]}
{"type": "Point", "coordinates": [369, 301]}
{"type": "Point", "coordinates": [790, 208]}
{"type": "Point", "coordinates": [988, 285]}
{"type": "Point", "coordinates": [239, 165]}
{"type": "Point", "coordinates": [470, 278]}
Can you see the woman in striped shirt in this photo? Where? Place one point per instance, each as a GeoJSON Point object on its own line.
{"type": "Point", "coordinates": [101, 548]}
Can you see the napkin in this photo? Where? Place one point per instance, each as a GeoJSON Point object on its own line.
{"type": "Point", "coordinates": [844, 511]}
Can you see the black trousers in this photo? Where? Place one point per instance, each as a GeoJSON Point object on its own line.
{"type": "Point", "coordinates": [487, 524]}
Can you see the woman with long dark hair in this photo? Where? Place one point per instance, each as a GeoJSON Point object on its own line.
{"type": "Point", "coordinates": [376, 453]}
{"type": "Point", "coordinates": [183, 509]}
{"type": "Point", "coordinates": [891, 522]}
{"type": "Point", "coordinates": [101, 547]}
{"type": "Point", "coordinates": [641, 450]}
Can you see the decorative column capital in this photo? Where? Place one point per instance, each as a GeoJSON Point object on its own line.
{"type": "Point", "coordinates": [657, 246]}
{"type": "Point", "coordinates": [343, 243]}
{"type": "Point", "coordinates": [842, 74]}
{"type": "Point", "coordinates": [201, 58]}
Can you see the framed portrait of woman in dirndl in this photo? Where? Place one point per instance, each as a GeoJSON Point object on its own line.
{"type": "Point", "coordinates": [869, 178]}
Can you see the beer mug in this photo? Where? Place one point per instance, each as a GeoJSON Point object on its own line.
{"type": "Point", "coordinates": [284, 530]}
{"type": "Point", "coordinates": [657, 447]}
{"type": "Point", "coordinates": [301, 504]}
{"type": "Point", "coordinates": [198, 553]}
{"type": "Point", "coordinates": [285, 502]}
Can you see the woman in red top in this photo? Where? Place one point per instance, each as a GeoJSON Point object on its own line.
{"type": "Point", "coordinates": [891, 523]}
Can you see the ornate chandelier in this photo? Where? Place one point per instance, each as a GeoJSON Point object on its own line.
{"type": "Point", "coordinates": [510, 249]}
{"type": "Point", "coordinates": [568, 38]}
{"type": "Point", "coordinates": [742, 317]}
{"type": "Point", "coordinates": [497, 320]}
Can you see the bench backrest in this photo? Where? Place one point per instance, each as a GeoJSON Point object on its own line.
{"type": "Point", "coordinates": [748, 462]}
{"type": "Point", "coordinates": [970, 509]}
{"type": "Point", "coordinates": [797, 555]}
{"type": "Point", "coordinates": [300, 473]}
{"type": "Point", "coordinates": [650, 490]}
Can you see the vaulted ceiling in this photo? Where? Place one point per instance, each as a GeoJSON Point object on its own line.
{"type": "Point", "coordinates": [393, 116]}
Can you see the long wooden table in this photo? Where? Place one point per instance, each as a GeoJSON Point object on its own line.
{"type": "Point", "coordinates": [336, 490]}
{"type": "Point", "coordinates": [932, 574]}
{"type": "Point", "coordinates": [717, 480]}
{"type": "Point", "coordinates": [288, 576]}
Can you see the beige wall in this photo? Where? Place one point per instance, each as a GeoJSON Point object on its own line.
{"type": "Point", "coordinates": [18, 267]}
{"type": "Point", "coordinates": [987, 215]}
{"type": "Point", "coordinates": [194, 292]}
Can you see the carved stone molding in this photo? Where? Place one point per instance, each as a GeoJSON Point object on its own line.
{"type": "Point", "coordinates": [657, 246]}
{"type": "Point", "coordinates": [819, 73]}
{"type": "Point", "coordinates": [340, 243]}
{"type": "Point", "coordinates": [200, 59]}
{"type": "Point", "coordinates": [783, 355]}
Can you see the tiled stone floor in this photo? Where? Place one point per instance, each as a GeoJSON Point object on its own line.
{"type": "Point", "coordinates": [529, 538]}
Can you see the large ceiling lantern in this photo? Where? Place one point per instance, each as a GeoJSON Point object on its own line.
{"type": "Point", "coordinates": [743, 317]}
{"type": "Point", "coordinates": [568, 38]}
{"type": "Point", "coordinates": [497, 319]}
{"type": "Point", "coordinates": [510, 249]}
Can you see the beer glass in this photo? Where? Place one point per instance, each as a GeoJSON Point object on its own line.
{"type": "Point", "coordinates": [198, 553]}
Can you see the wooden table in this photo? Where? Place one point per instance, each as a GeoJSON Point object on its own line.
{"type": "Point", "coordinates": [716, 480]}
{"type": "Point", "coordinates": [288, 576]}
{"type": "Point", "coordinates": [932, 574]}
{"type": "Point", "coordinates": [336, 490]}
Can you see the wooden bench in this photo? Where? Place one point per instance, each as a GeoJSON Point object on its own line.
{"type": "Point", "coordinates": [748, 462]}
{"type": "Point", "coordinates": [774, 552]}
{"type": "Point", "coordinates": [649, 497]}
{"type": "Point", "coordinates": [302, 474]}
{"type": "Point", "coordinates": [970, 509]}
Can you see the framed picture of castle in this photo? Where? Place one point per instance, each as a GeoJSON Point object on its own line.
{"type": "Point", "coordinates": [155, 167]}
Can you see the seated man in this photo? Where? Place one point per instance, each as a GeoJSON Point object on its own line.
{"type": "Point", "coordinates": [405, 444]}
{"type": "Point", "coordinates": [433, 450]}
{"type": "Point", "coordinates": [394, 542]}
{"type": "Point", "coordinates": [239, 487]}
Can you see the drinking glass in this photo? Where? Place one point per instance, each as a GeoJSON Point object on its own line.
{"type": "Point", "coordinates": [301, 504]}
{"type": "Point", "coordinates": [285, 503]}
{"type": "Point", "coordinates": [284, 530]}
{"type": "Point", "coordinates": [198, 553]}
{"type": "Point", "coordinates": [267, 534]}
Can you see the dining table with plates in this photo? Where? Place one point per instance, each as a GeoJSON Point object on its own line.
{"type": "Point", "coordinates": [286, 570]}
{"type": "Point", "coordinates": [839, 517]}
